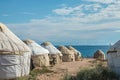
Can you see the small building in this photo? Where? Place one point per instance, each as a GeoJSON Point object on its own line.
{"type": "Point", "coordinates": [14, 55]}
{"type": "Point", "coordinates": [113, 56]}
{"type": "Point", "coordinates": [39, 54]}
{"type": "Point", "coordinates": [76, 53]}
{"type": "Point", "coordinates": [68, 55]}
{"type": "Point", "coordinates": [99, 54]}
{"type": "Point", "coordinates": [55, 55]}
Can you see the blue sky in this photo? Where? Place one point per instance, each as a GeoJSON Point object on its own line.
{"type": "Point", "coordinates": [69, 22]}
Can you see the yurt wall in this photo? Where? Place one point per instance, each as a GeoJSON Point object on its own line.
{"type": "Point", "coordinates": [113, 56]}
{"type": "Point", "coordinates": [67, 54]}
{"type": "Point", "coordinates": [113, 62]}
{"type": "Point", "coordinates": [40, 60]}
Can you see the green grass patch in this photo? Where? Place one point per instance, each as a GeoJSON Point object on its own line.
{"type": "Point", "coordinates": [22, 78]}
{"type": "Point", "coordinates": [36, 72]}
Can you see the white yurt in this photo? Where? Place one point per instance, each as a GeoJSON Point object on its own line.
{"type": "Point", "coordinates": [68, 55]}
{"type": "Point", "coordinates": [76, 53]}
{"type": "Point", "coordinates": [99, 54]}
{"type": "Point", "coordinates": [55, 55]}
{"type": "Point", "coordinates": [14, 55]}
{"type": "Point", "coordinates": [39, 54]}
{"type": "Point", "coordinates": [113, 56]}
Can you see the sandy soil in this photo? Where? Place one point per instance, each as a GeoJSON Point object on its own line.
{"type": "Point", "coordinates": [60, 70]}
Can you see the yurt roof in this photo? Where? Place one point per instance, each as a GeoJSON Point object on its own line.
{"type": "Point", "coordinates": [10, 43]}
{"type": "Point", "coordinates": [28, 41]}
{"type": "Point", "coordinates": [115, 47]}
{"type": "Point", "coordinates": [99, 52]}
{"type": "Point", "coordinates": [73, 49]}
{"type": "Point", "coordinates": [70, 48]}
{"type": "Point", "coordinates": [46, 44]}
{"type": "Point", "coordinates": [36, 48]}
{"type": "Point", "coordinates": [51, 48]}
{"type": "Point", "coordinates": [64, 50]}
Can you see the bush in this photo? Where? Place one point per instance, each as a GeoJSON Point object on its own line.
{"type": "Point", "coordinates": [67, 77]}
{"type": "Point", "coordinates": [98, 73]}
{"type": "Point", "coordinates": [35, 72]}
{"type": "Point", "coordinates": [22, 78]}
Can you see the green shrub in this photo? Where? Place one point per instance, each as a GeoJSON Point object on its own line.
{"type": "Point", "coordinates": [35, 72]}
{"type": "Point", "coordinates": [98, 73]}
{"type": "Point", "coordinates": [67, 77]}
{"type": "Point", "coordinates": [45, 70]}
{"type": "Point", "coordinates": [22, 78]}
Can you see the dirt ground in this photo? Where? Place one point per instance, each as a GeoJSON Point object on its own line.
{"type": "Point", "coordinates": [60, 70]}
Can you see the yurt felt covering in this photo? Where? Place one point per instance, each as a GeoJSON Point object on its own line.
{"type": "Point", "coordinates": [39, 54]}
{"type": "Point", "coordinates": [76, 53]}
{"type": "Point", "coordinates": [113, 56]}
{"type": "Point", "coordinates": [67, 54]}
{"type": "Point", "coordinates": [55, 55]}
{"type": "Point", "coordinates": [14, 55]}
{"type": "Point", "coordinates": [99, 54]}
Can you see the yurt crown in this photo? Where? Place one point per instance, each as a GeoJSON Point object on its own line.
{"type": "Point", "coordinates": [28, 41]}
{"type": "Point", "coordinates": [100, 52]}
{"type": "Point", "coordinates": [1, 27]}
{"type": "Point", "coordinates": [61, 47]}
{"type": "Point", "coordinates": [70, 47]}
{"type": "Point", "coordinates": [46, 43]}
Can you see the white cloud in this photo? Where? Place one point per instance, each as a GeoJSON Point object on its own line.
{"type": "Point", "coordinates": [45, 28]}
{"type": "Point", "coordinates": [89, 12]}
{"type": "Point", "coordinates": [63, 11]}
{"type": "Point", "coordinates": [48, 30]}
{"type": "Point", "coordinates": [102, 1]}
{"type": "Point", "coordinates": [78, 9]}
{"type": "Point", "coordinates": [88, 21]}
{"type": "Point", "coordinates": [117, 30]}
